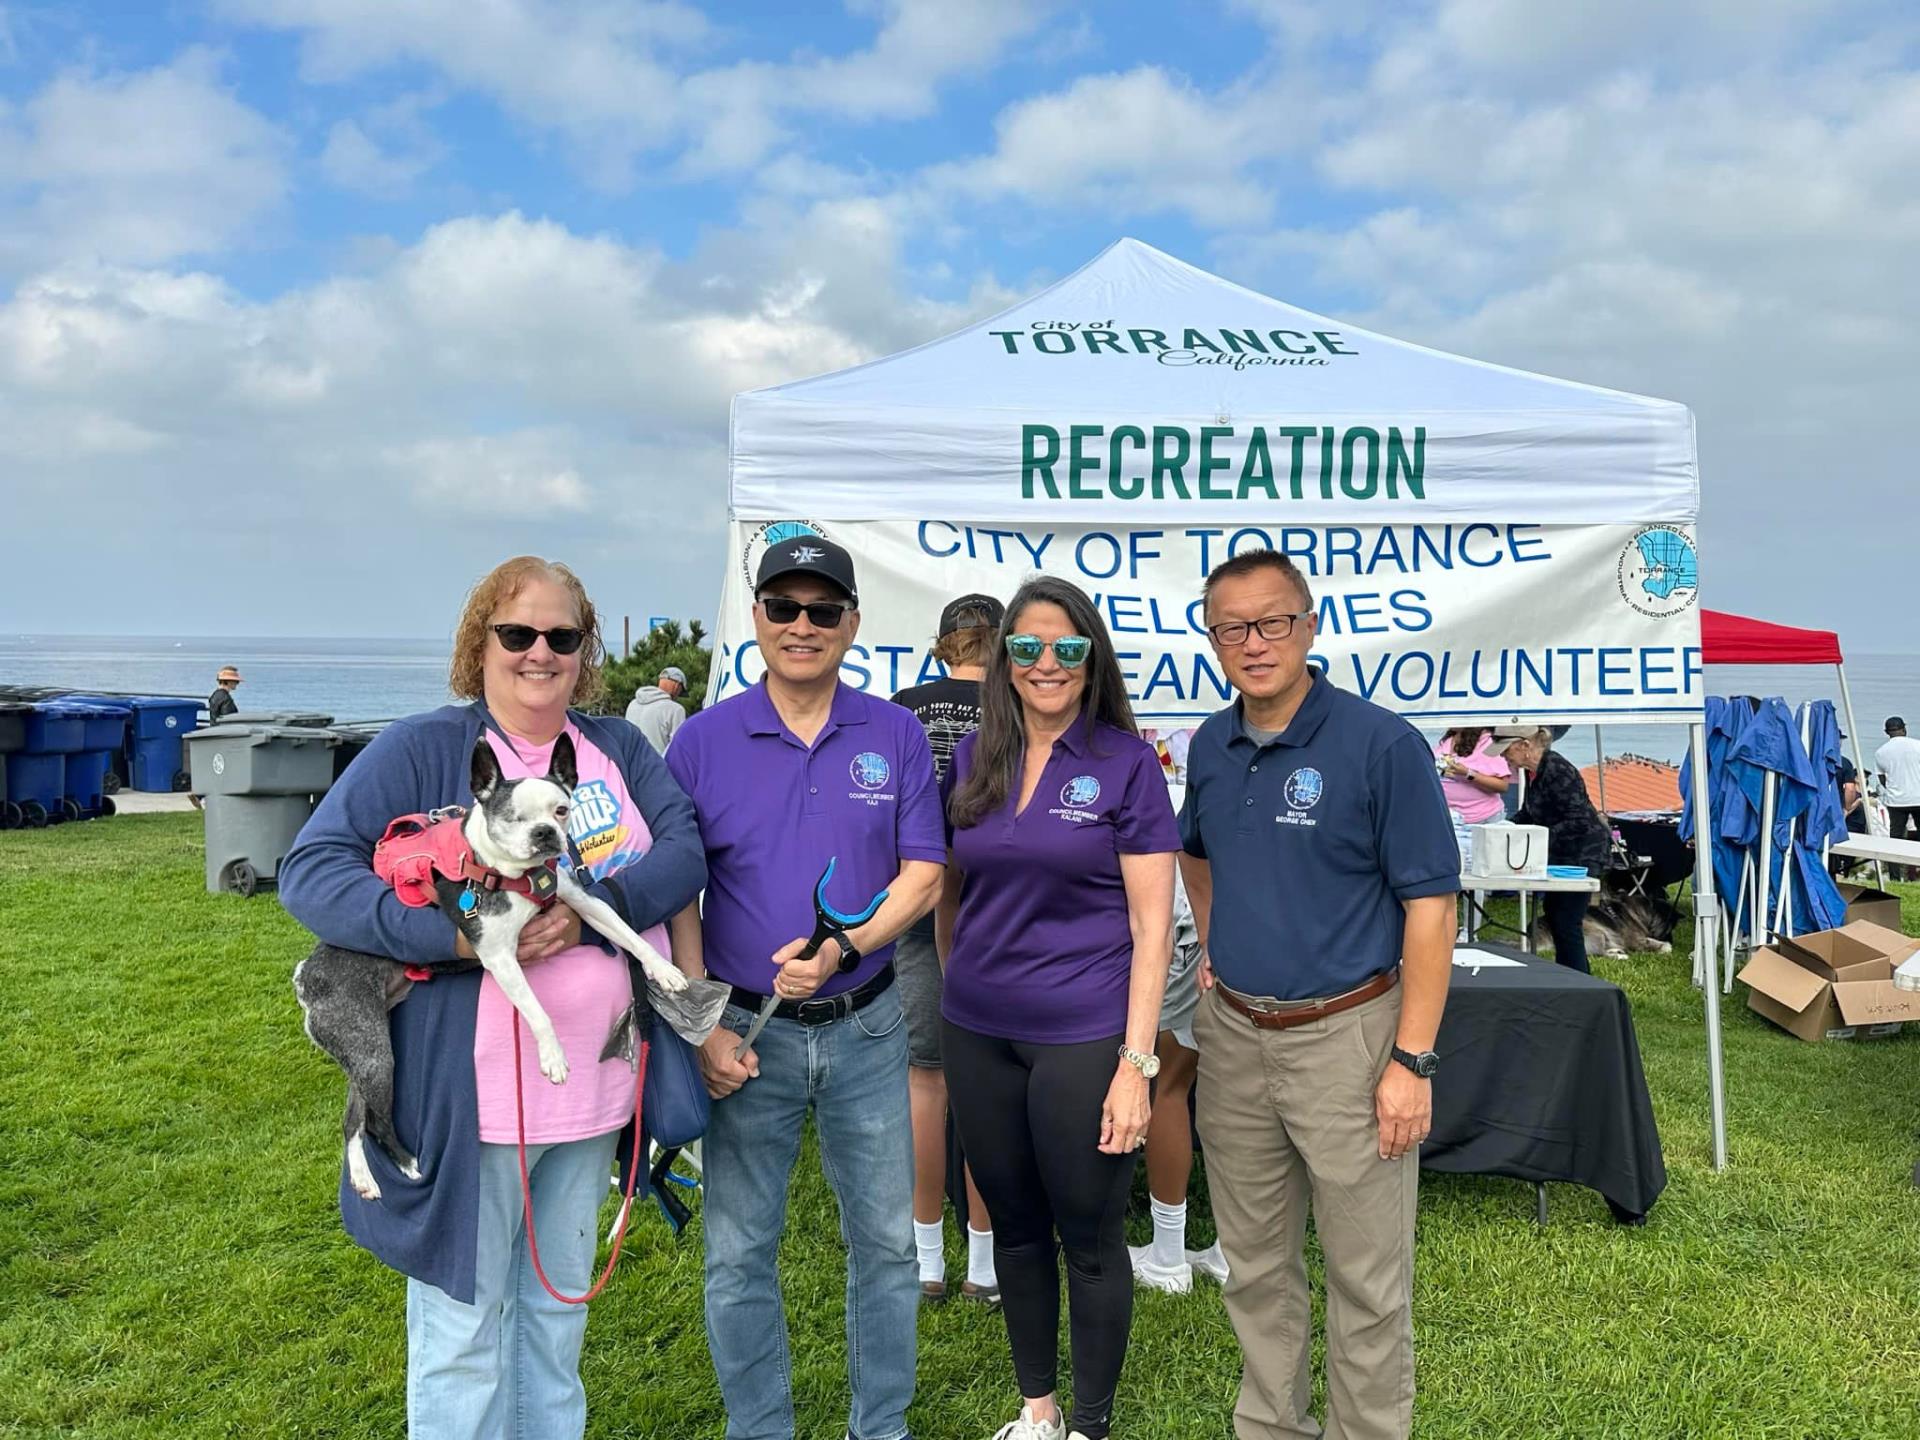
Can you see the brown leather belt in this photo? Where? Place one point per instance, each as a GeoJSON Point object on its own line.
{"type": "Point", "coordinates": [1285, 1015]}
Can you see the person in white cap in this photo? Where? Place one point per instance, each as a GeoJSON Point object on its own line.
{"type": "Point", "coordinates": [655, 710]}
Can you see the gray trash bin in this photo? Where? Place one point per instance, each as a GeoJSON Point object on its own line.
{"type": "Point", "coordinates": [259, 782]}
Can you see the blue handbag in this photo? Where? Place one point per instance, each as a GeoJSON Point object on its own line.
{"type": "Point", "coordinates": [675, 1106]}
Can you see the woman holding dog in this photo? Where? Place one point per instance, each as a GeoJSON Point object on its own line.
{"type": "Point", "coordinates": [1576, 834]}
{"type": "Point", "coordinates": [1055, 926]}
{"type": "Point", "coordinates": [489, 1351]}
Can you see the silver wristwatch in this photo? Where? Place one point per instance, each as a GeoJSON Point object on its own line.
{"type": "Point", "coordinates": [1147, 1065]}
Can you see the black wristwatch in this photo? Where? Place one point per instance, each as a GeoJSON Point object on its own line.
{"type": "Point", "coordinates": [849, 953]}
{"type": "Point", "coordinates": [1423, 1064]}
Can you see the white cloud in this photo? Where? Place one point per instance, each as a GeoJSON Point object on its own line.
{"type": "Point", "coordinates": [1142, 142]}
{"type": "Point", "coordinates": [383, 152]}
{"type": "Point", "coordinates": [502, 383]}
{"type": "Point", "coordinates": [141, 168]}
{"type": "Point", "coordinates": [615, 82]}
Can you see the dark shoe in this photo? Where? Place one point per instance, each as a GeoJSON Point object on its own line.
{"type": "Point", "coordinates": [988, 1295]}
{"type": "Point", "coordinates": [932, 1292]}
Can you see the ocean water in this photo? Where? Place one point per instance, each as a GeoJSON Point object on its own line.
{"type": "Point", "coordinates": [380, 679]}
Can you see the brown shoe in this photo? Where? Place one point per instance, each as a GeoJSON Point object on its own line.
{"type": "Point", "coordinates": [988, 1295]}
{"type": "Point", "coordinates": [932, 1292]}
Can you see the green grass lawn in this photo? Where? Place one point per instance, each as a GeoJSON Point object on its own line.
{"type": "Point", "coordinates": [172, 1264]}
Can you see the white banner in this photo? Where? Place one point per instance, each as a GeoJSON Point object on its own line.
{"type": "Point", "coordinates": [1486, 622]}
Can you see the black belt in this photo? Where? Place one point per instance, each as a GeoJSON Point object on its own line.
{"type": "Point", "coordinates": [816, 1011]}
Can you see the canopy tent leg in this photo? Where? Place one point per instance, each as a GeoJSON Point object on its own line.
{"type": "Point", "coordinates": [1705, 914]}
{"type": "Point", "coordinates": [1600, 770]}
{"type": "Point", "coordinates": [1859, 759]}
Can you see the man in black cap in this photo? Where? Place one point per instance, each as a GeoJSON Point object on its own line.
{"type": "Point", "coordinates": [798, 770]}
{"type": "Point", "coordinates": [949, 709]}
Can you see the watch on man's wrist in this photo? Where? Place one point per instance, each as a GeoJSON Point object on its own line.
{"type": "Point", "coordinates": [1146, 1063]}
{"type": "Point", "coordinates": [849, 953]}
{"type": "Point", "coordinates": [1424, 1064]}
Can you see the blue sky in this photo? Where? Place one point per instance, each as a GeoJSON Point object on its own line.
{"type": "Point", "coordinates": [310, 309]}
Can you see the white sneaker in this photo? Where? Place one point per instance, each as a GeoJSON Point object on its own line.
{"type": "Point", "coordinates": [1210, 1261]}
{"type": "Point", "coordinates": [1174, 1279]}
{"type": "Point", "coordinates": [1028, 1428]}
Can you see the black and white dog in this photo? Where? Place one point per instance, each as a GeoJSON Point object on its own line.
{"type": "Point", "coordinates": [516, 829]}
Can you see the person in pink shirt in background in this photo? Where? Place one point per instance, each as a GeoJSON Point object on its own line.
{"type": "Point", "coordinates": [1473, 777]}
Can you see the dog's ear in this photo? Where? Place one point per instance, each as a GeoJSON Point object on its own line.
{"type": "Point", "coordinates": [486, 769]}
{"type": "Point", "coordinates": [561, 769]}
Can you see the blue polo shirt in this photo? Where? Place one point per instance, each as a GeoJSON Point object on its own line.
{"type": "Point", "coordinates": [1315, 839]}
{"type": "Point", "coordinates": [772, 812]}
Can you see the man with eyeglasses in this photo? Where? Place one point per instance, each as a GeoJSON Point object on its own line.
{"type": "Point", "coordinates": [1321, 864]}
{"type": "Point", "coordinates": [795, 772]}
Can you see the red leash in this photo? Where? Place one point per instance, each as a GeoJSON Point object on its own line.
{"type": "Point", "coordinates": [526, 1188]}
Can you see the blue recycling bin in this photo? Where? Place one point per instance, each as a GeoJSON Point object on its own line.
{"type": "Point", "coordinates": [54, 731]}
{"type": "Point", "coordinates": [102, 726]}
{"type": "Point", "coordinates": [159, 764]}
{"type": "Point", "coordinates": [85, 783]}
{"type": "Point", "coordinates": [36, 784]}
{"type": "Point", "coordinates": [153, 758]}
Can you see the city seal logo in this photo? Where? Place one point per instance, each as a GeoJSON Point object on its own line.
{"type": "Point", "coordinates": [1659, 572]}
{"type": "Point", "coordinates": [1304, 788]}
{"type": "Point", "coordinates": [870, 771]}
{"type": "Point", "coordinates": [762, 538]}
{"type": "Point", "coordinates": [1080, 792]}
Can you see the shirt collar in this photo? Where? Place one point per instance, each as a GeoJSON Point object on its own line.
{"type": "Point", "coordinates": [1074, 739]}
{"type": "Point", "coordinates": [1306, 721]}
{"type": "Point", "coordinates": [764, 719]}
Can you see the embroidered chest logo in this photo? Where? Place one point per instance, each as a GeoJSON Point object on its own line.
{"type": "Point", "coordinates": [1304, 788]}
{"type": "Point", "coordinates": [870, 771]}
{"type": "Point", "coordinates": [1080, 792]}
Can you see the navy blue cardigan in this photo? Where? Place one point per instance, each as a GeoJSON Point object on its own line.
{"type": "Point", "coordinates": [428, 1228]}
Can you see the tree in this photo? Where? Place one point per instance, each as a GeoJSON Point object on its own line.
{"type": "Point", "coordinates": [665, 645]}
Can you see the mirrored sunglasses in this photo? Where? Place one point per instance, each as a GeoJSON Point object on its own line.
{"type": "Point", "coordinates": [1070, 650]}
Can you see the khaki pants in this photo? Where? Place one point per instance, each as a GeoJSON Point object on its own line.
{"type": "Point", "coordinates": [1287, 1115]}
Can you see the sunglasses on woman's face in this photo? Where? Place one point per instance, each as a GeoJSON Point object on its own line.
{"type": "Point", "coordinates": [518, 639]}
{"type": "Point", "coordinates": [1070, 650]}
{"type": "Point", "coordinates": [822, 614]}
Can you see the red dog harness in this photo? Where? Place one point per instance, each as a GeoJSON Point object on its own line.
{"type": "Point", "coordinates": [418, 849]}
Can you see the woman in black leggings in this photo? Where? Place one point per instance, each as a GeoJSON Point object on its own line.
{"type": "Point", "coordinates": [1576, 835]}
{"type": "Point", "coordinates": [1056, 932]}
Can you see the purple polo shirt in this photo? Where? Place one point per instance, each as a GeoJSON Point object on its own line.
{"type": "Point", "coordinates": [772, 813]}
{"type": "Point", "coordinates": [1042, 950]}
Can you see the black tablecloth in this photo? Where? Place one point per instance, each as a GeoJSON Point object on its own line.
{"type": "Point", "coordinates": [1540, 1079]}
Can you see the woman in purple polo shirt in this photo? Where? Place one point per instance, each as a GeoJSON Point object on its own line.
{"type": "Point", "coordinates": [1056, 929]}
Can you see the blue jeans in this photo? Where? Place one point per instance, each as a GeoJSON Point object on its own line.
{"type": "Point", "coordinates": [508, 1365]}
{"type": "Point", "coordinates": [853, 1075]}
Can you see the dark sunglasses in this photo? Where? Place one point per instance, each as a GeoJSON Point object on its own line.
{"type": "Point", "coordinates": [518, 639]}
{"type": "Point", "coordinates": [1070, 650]}
{"type": "Point", "coordinates": [826, 614]}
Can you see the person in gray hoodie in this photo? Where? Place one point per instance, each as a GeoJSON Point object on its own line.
{"type": "Point", "coordinates": [655, 709]}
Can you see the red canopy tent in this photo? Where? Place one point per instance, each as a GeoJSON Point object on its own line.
{"type": "Point", "coordinates": [1737, 640]}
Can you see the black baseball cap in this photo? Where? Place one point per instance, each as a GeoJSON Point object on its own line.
{"type": "Point", "coordinates": [958, 610]}
{"type": "Point", "coordinates": [1894, 722]}
{"type": "Point", "coordinates": [808, 555]}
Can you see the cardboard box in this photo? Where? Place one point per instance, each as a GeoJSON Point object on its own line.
{"type": "Point", "coordinates": [1866, 903]}
{"type": "Point", "coordinates": [1835, 984]}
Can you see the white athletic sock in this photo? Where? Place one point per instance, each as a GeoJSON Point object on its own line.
{"type": "Point", "coordinates": [1169, 1234]}
{"type": "Point", "coordinates": [980, 1257]}
{"type": "Point", "coordinates": [926, 1242]}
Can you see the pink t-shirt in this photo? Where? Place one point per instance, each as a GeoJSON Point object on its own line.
{"type": "Point", "coordinates": [1476, 806]}
{"type": "Point", "coordinates": [583, 989]}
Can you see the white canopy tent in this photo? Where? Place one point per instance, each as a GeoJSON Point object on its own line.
{"type": "Point", "coordinates": [1485, 545]}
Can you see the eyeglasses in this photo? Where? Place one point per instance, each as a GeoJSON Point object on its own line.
{"type": "Point", "coordinates": [518, 639]}
{"type": "Point", "coordinates": [826, 614]}
{"type": "Point", "coordinates": [1070, 650]}
{"type": "Point", "coordinates": [1271, 627]}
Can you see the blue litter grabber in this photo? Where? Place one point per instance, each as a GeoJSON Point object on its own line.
{"type": "Point", "coordinates": [827, 922]}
